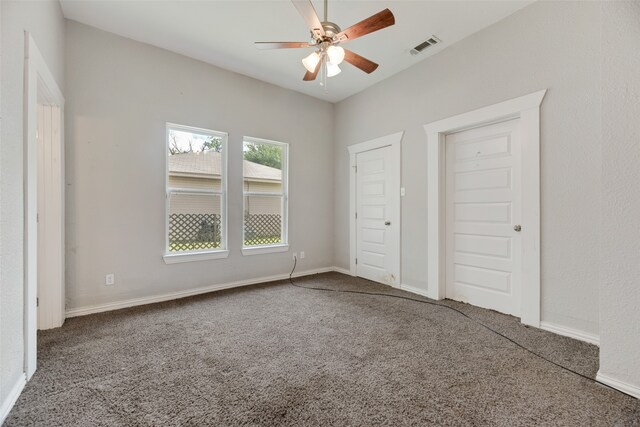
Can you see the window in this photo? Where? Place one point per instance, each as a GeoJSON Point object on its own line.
{"type": "Point", "coordinates": [196, 206]}
{"type": "Point", "coordinates": [265, 166]}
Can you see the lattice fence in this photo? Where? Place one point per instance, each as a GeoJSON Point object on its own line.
{"type": "Point", "coordinates": [262, 229]}
{"type": "Point", "coordinates": [189, 232]}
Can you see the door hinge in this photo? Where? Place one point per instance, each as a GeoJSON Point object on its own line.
{"type": "Point", "coordinates": [38, 217]}
{"type": "Point", "coordinates": [355, 169]}
{"type": "Point", "coordinates": [37, 302]}
{"type": "Point", "coordinates": [356, 215]}
{"type": "Point", "coordinates": [356, 261]}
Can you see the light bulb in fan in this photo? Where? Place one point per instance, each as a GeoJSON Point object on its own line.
{"type": "Point", "coordinates": [332, 69]}
{"type": "Point", "coordinates": [311, 61]}
{"type": "Point", "coordinates": [335, 54]}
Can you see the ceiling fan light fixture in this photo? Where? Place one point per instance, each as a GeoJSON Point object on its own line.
{"type": "Point", "coordinates": [335, 54]}
{"type": "Point", "coordinates": [326, 35]}
{"type": "Point", "coordinates": [310, 62]}
{"type": "Point", "coordinates": [333, 69]}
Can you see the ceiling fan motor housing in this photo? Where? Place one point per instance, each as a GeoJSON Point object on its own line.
{"type": "Point", "coordinates": [331, 30]}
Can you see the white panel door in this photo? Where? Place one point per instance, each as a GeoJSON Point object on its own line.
{"type": "Point", "coordinates": [377, 218]}
{"type": "Point", "coordinates": [483, 211]}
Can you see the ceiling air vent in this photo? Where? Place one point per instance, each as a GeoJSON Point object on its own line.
{"type": "Point", "coordinates": [433, 40]}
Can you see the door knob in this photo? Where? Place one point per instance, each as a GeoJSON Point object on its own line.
{"type": "Point", "coordinates": [517, 227]}
{"type": "Point", "coordinates": [387, 223]}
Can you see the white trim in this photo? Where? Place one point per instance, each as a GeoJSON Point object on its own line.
{"type": "Point", "coordinates": [630, 389]}
{"type": "Point", "coordinates": [194, 191]}
{"type": "Point", "coordinates": [414, 290]}
{"type": "Point", "coordinates": [265, 194]}
{"type": "Point", "coordinates": [258, 250]}
{"type": "Point", "coordinates": [499, 112]}
{"type": "Point", "coordinates": [527, 108]}
{"type": "Point", "coordinates": [196, 130]}
{"type": "Point", "coordinates": [255, 140]}
{"type": "Point", "coordinates": [12, 397]}
{"type": "Point", "coordinates": [393, 140]}
{"type": "Point", "coordinates": [50, 208]}
{"type": "Point", "coordinates": [547, 326]}
{"type": "Point", "coordinates": [176, 258]}
{"type": "Point", "coordinates": [99, 308]}
{"type": "Point", "coordinates": [342, 270]}
{"type": "Point", "coordinates": [571, 333]}
{"type": "Point", "coordinates": [39, 83]}
{"type": "Point", "coordinates": [373, 144]}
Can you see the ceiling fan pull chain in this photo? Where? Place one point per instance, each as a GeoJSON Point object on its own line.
{"type": "Point", "coordinates": [326, 90]}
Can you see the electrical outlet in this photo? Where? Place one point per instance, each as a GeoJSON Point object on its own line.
{"type": "Point", "coordinates": [301, 254]}
{"type": "Point", "coordinates": [110, 279]}
{"type": "Point", "coordinates": [402, 192]}
{"type": "Point", "coordinates": [295, 255]}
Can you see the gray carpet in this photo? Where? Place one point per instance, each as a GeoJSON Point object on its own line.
{"type": "Point", "coordinates": [275, 354]}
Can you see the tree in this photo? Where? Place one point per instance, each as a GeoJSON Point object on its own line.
{"type": "Point", "coordinates": [212, 143]}
{"type": "Point", "coordinates": [264, 154]}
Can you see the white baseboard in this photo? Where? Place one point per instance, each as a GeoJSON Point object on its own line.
{"type": "Point", "coordinates": [12, 397]}
{"type": "Point", "coordinates": [342, 270]}
{"type": "Point", "coordinates": [547, 326]}
{"type": "Point", "coordinates": [571, 333]}
{"type": "Point", "coordinates": [99, 308]}
{"type": "Point", "coordinates": [630, 389]}
{"type": "Point", "coordinates": [414, 290]}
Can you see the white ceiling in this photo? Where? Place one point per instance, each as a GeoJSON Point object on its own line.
{"type": "Point", "coordinates": [222, 33]}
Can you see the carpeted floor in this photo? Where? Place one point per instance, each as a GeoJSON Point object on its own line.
{"type": "Point", "coordinates": [275, 354]}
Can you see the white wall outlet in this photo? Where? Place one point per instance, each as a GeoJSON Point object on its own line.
{"type": "Point", "coordinates": [295, 255]}
{"type": "Point", "coordinates": [110, 279]}
{"type": "Point", "coordinates": [301, 254]}
{"type": "Point", "coordinates": [402, 192]}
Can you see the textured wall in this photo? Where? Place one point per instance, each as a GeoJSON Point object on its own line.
{"type": "Point", "coordinates": [620, 281]}
{"type": "Point", "coordinates": [548, 45]}
{"type": "Point", "coordinates": [120, 93]}
{"type": "Point", "coordinates": [44, 20]}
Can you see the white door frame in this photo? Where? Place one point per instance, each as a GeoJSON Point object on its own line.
{"type": "Point", "coordinates": [392, 141]}
{"type": "Point", "coordinates": [527, 109]}
{"type": "Point", "coordinates": [39, 85]}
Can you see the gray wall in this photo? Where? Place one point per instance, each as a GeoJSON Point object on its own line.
{"type": "Point", "coordinates": [548, 45]}
{"type": "Point", "coordinates": [44, 20]}
{"type": "Point", "coordinates": [620, 280]}
{"type": "Point", "coordinates": [119, 95]}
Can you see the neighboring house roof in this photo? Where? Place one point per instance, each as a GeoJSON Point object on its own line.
{"type": "Point", "coordinates": [208, 164]}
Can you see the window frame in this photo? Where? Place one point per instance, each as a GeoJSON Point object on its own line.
{"type": "Point", "coordinates": [198, 254]}
{"type": "Point", "coordinates": [283, 246]}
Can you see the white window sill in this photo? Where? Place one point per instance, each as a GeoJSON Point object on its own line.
{"type": "Point", "coordinates": [257, 250]}
{"type": "Point", "coordinates": [174, 258]}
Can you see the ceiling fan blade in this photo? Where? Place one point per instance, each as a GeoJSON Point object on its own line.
{"type": "Point", "coordinates": [308, 77]}
{"type": "Point", "coordinates": [308, 13]}
{"type": "Point", "coordinates": [280, 45]}
{"type": "Point", "coordinates": [360, 61]}
{"type": "Point", "coordinates": [373, 23]}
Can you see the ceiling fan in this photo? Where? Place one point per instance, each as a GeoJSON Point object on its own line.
{"type": "Point", "coordinates": [327, 36]}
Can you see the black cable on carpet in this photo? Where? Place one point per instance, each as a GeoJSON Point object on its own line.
{"type": "Point", "coordinates": [295, 262]}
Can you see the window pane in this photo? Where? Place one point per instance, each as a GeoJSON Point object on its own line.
{"type": "Point", "coordinates": [195, 164]}
{"type": "Point", "coordinates": [194, 222]}
{"type": "Point", "coordinates": [262, 168]}
{"type": "Point", "coordinates": [184, 142]}
{"type": "Point", "coordinates": [262, 220]}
